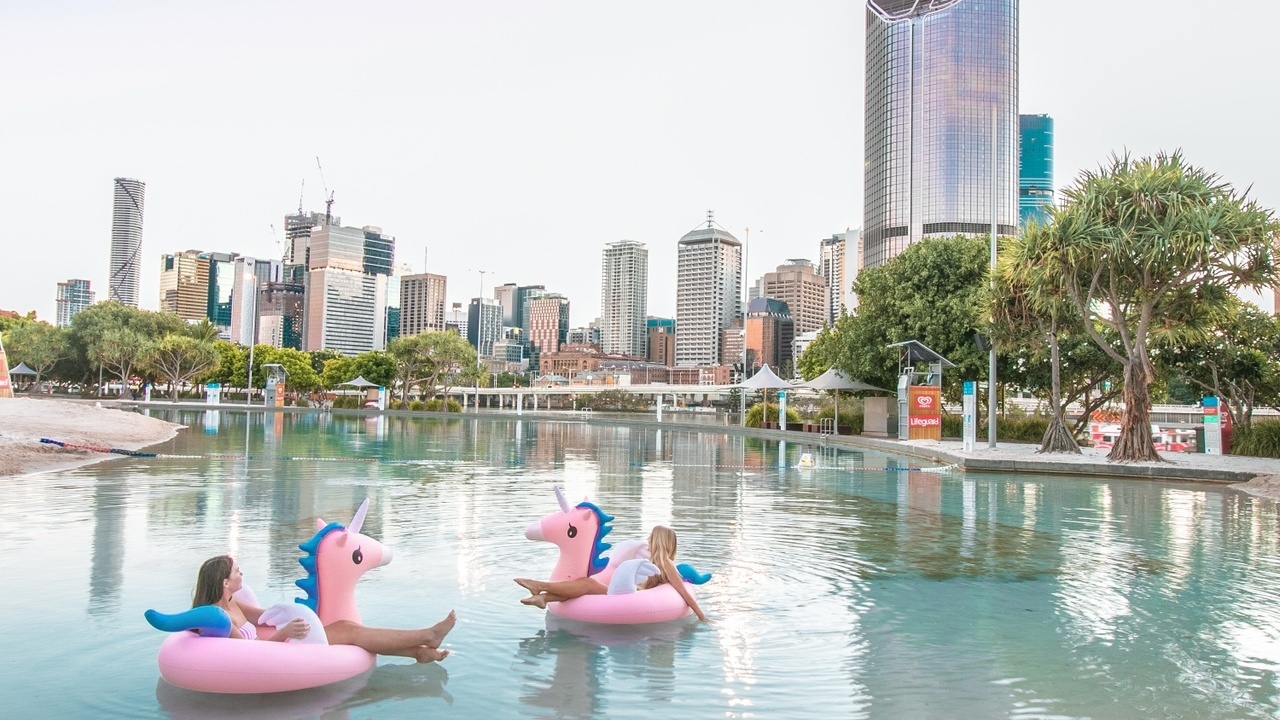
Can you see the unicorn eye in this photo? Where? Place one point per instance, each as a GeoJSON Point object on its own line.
{"type": "Point", "coordinates": [573, 532]}
{"type": "Point", "coordinates": [357, 557]}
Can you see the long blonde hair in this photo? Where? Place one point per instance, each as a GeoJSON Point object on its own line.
{"type": "Point", "coordinates": [662, 552]}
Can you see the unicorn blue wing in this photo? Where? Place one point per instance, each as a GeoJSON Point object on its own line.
{"type": "Point", "coordinates": [689, 574]}
{"type": "Point", "coordinates": [208, 620]}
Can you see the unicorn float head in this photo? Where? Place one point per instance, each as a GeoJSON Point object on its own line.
{"type": "Point", "coordinates": [336, 557]}
{"type": "Point", "coordinates": [579, 533]}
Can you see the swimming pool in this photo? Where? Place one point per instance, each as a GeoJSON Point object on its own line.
{"type": "Point", "coordinates": [859, 588]}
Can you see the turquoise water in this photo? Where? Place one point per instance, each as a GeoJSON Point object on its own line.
{"type": "Point", "coordinates": [858, 589]}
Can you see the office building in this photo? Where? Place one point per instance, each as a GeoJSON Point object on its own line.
{"type": "Point", "coordinates": [519, 304]}
{"type": "Point", "coordinates": [484, 325]}
{"type": "Point", "coordinates": [939, 75]}
{"type": "Point", "coordinates": [1035, 168]}
{"type": "Point", "coordinates": [422, 299]}
{"type": "Point", "coordinates": [708, 292]}
{"type": "Point", "coordinates": [346, 307]}
{"type": "Point", "coordinates": [249, 275]}
{"type": "Point", "coordinates": [280, 314]}
{"type": "Point", "coordinates": [125, 272]}
{"type": "Point", "coordinates": [379, 251]}
{"type": "Point", "coordinates": [73, 296]}
{"type": "Point", "coordinates": [184, 285]}
{"type": "Point", "coordinates": [505, 295]}
{"type": "Point", "coordinates": [221, 273]}
{"type": "Point", "coordinates": [731, 342]}
{"type": "Point", "coordinates": [770, 332]}
{"type": "Point", "coordinates": [660, 341]}
{"type": "Point", "coordinates": [833, 266]}
{"type": "Point", "coordinates": [798, 284]}
{"type": "Point", "coordinates": [547, 317]}
{"type": "Point", "coordinates": [624, 297]}
{"type": "Point", "coordinates": [297, 235]}
{"type": "Point", "coordinates": [589, 335]}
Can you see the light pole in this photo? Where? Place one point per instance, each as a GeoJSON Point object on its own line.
{"type": "Point", "coordinates": [742, 392]}
{"type": "Point", "coordinates": [991, 368]}
{"type": "Point", "coordinates": [253, 333]}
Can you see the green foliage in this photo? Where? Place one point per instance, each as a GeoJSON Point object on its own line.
{"type": "Point", "coordinates": [931, 292]}
{"type": "Point", "coordinates": [179, 359]}
{"type": "Point", "coordinates": [302, 377]}
{"type": "Point", "coordinates": [850, 417]}
{"type": "Point", "coordinates": [319, 357]}
{"type": "Point", "coordinates": [453, 406]}
{"type": "Point", "coordinates": [232, 368]}
{"type": "Point", "coordinates": [375, 366]}
{"type": "Point", "coordinates": [1261, 439]}
{"type": "Point", "coordinates": [337, 371]}
{"type": "Point", "coordinates": [39, 345]}
{"type": "Point", "coordinates": [1029, 429]}
{"type": "Point", "coordinates": [614, 400]}
{"type": "Point", "coordinates": [416, 405]}
{"type": "Point", "coordinates": [768, 412]}
{"type": "Point", "coordinates": [430, 361]}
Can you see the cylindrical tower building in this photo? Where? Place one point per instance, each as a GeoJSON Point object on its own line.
{"type": "Point", "coordinates": [126, 241]}
{"type": "Point", "coordinates": [940, 74]}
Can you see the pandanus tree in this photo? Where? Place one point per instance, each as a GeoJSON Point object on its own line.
{"type": "Point", "coordinates": [1151, 249]}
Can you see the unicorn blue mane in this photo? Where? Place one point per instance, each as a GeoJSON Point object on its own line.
{"type": "Point", "coordinates": [598, 545]}
{"type": "Point", "coordinates": [308, 563]}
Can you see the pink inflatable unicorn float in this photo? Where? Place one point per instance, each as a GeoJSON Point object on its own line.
{"type": "Point", "coordinates": [579, 533]}
{"type": "Point", "coordinates": [208, 660]}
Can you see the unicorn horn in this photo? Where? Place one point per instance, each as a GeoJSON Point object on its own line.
{"type": "Point", "coordinates": [358, 521]}
{"type": "Point", "coordinates": [564, 504]}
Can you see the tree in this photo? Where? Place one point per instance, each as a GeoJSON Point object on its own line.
{"type": "Point", "coordinates": [39, 345]}
{"type": "Point", "coordinates": [119, 350]}
{"type": "Point", "coordinates": [931, 292]}
{"type": "Point", "coordinates": [181, 358]}
{"type": "Point", "coordinates": [1151, 248]}
{"type": "Point", "coordinates": [337, 371]}
{"type": "Point", "coordinates": [93, 327]}
{"type": "Point", "coordinates": [1239, 360]}
{"type": "Point", "coordinates": [424, 360]}
{"type": "Point", "coordinates": [297, 364]}
{"type": "Point", "coordinates": [232, 368]}
{"type": "Point", "coordinates": [204, 331]}
{"type": "Point", "coordinates": [319, 357]}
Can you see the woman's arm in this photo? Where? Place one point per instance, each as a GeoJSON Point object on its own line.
{"type": "Point", "coordinates": [251, 613]}
{"type": "Point", "coordinates": [678, 583]}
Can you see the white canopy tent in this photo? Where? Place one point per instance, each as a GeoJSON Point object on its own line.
{"type": "Point", "coordinates": [835, 381]}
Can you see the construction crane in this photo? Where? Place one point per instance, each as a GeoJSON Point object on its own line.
{"type": "Point", "coordinates": [328, 195]}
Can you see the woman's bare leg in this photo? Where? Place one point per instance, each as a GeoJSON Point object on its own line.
{"type": "Point", "coordinates": [383, 641]}
{"type": "Point", "coordinates": [565, 589]}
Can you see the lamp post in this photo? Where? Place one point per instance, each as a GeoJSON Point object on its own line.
{"type": "Point", "coordinates": [253, 334]}
{"type": "Point", "coordinates": [991, 362]}
{"type": "Point", "coordinates": [742, 394]}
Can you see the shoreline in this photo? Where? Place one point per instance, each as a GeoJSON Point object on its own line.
{"type": "Point", "coordinates": [24, 420]}
{"type": "Point", "coordinates": [1254, 476]}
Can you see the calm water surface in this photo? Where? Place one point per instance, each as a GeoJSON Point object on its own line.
{"type": "Point", "coordinates": [859, 589]}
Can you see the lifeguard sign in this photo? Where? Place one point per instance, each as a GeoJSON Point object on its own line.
{"type": "Point", "coordinates": [919, 391]}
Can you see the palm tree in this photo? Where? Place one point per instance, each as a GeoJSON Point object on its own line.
{"type": "Point", "coordinates": [1151, 249]}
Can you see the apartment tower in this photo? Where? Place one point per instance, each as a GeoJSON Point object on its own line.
{"type": "Point", "coordinates": [624, 298]}
{"type": "Point", "coordinates": [73, 296]}
{"type": "Point", "coordinates": [125, 272]}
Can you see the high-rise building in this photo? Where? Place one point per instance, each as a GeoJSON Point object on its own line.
{"type": "Point", "coordinates": [506, 297]}
{"type": "Point", "coordinates": [280, 314]}
{"type": "Point", "coordinates": [547, 317]}
{"type": "Point", "coordinates": [1035, 167]}
{"type": "Point", "coordinates": [379, 251]}
{"type": "Point", "coordinates": [708, 292]}
{"type": "Point", "coordinates": [833, 266]}
{"type": "Point", "coordinates": [484, 325]}
{"type": "Point", "coordinates": [297, 235]}
{"type": "Point", "coordinates": [345, 306]}
{"type": "Point", "coordinates": [73, 296]}
{"type": "Point", "coordinates": [422, 299]}
{"type": "Point", "coordinates": [624, 298]}
{"type": "Point", "coordinates": [184, 285]}
{"type": "Point", "coordinates": [939, 75]}
{"type": "Point", "coordinates": [731, 342]}
{"type": "Point", "coordinates": [797, 284]}
{"type": "Point", "coordinates": [520, 299]}
{"type": "Point", "coordinates": [126, 241]}
{"type": "Point", "coordinates": [221, 273]}
{"type": "Point", "coordinates": [770, 332]}
{"type": "Point", "coordinates": [660, 347]}
{"type": "Point", "coordinates": [249, 276]}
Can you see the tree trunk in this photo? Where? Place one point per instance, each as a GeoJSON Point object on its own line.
{"type": "Point", "coordinates": [1134, 441]}
{"type": "Point", "coordinates": [1057, 438]}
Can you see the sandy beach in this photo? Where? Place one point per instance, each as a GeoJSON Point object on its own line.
{"type": "Point", "coordinates": [23, 421]}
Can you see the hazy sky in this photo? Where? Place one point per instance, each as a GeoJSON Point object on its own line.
{"type": "Point", "coordinates": [518, 137]}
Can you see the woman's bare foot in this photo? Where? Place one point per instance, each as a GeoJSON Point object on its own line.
{"type": "Point", "coordinates": [436, 633]}
{"type": "Point", "coordinates": [533, 586]}
{"type": "Point", "coordinates": [424, 654]}
{"type": "Point", "coordinates": [538, 601]}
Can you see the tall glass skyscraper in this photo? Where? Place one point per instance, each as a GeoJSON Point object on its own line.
{"type": "Point", "coordinates": [1035, 167]}
{"type": "Point", "coordinates": [126, 241]}
{"type": "Point", "coordinates": [939, 74]}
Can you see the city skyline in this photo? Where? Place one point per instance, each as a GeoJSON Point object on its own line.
{"type": "Point", "coordinates": [450, 163]}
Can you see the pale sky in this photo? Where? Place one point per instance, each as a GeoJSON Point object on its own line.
{"type": "Point", "coordinates": [518, 137]}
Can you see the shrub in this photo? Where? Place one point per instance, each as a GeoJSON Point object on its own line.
{"type": "Point", "coordinates": [754, 415]}
{"type": "Point", "coordinates": [849, 417]}
{"type": "Point", "coordinates": [1010, 428]}
{"type": "Point", "coordinates": [432, 405]}
{"type": "Point", "coordinates": [416, 405]}
{"type": "Point", "coordinates": [300, 402]}
{"type": "Point", "coordinates": [1262, 439]}
{"type": "Point", "coordinates": [452, 405]}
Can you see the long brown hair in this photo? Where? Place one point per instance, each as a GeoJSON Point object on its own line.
{"type": "Point", "coordinates": [209, 580]}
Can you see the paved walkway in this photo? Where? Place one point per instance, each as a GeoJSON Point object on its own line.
{"type": "Point", "coordinates": [1023, 458]}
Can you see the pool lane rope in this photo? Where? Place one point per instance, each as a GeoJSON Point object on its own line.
{"type": "Point", "coordinates": [97, 448]}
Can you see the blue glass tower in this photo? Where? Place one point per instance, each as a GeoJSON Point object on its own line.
{"type": "Point", "coordinates": [1035, 168]}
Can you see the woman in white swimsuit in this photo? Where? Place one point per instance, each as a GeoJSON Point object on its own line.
{"type": "Point", "coordinates": [220, 578]}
